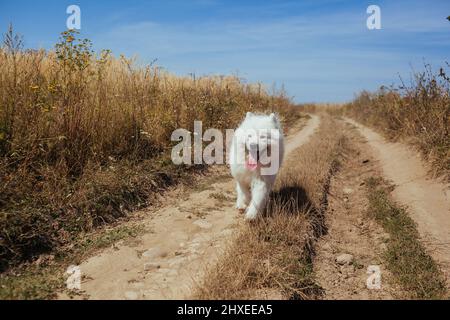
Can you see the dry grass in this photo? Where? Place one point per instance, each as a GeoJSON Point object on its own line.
{"type": "Point", "coordinates": [331, 108]}
{"type": "Point", "coordinates": [419, 113]}
{"type": "Point", "coordinates": [272, 258]}
{"type": "Point", "coordinates": [84, 137]}
{"type": "Point", "coordinates": [406, 256]}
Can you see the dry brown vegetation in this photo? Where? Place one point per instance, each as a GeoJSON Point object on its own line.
{"type": "Point", "coordinates": [84, 137]}
{"type": "Point", "coordinates": [419, 113]}
{"type": "Point", "coordinates": [272, 258]}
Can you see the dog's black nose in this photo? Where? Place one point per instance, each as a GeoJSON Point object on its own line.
{"type": "Point", "coordinates": [253, 149]}
{"type": "Point", "coordinates": [253, 146]}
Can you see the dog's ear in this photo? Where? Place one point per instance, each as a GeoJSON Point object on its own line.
{"type": "Point", "coordinates": [249, 114]}
{"type": "Point", "coordinates": [275, 120]}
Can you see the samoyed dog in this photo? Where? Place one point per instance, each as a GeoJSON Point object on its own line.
{"type": "Point", "coordinates": [256, 154]}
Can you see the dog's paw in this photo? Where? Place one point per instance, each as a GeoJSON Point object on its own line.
{"type": "Point", "coordinates": [251, 215]}
{"type": "Point", "coordinates": [241, 207]}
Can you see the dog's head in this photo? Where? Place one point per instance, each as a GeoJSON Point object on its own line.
{"type": "Point", "coordinates": [257, 134]}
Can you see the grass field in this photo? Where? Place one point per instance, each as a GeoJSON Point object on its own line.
{"type": "Point", "coordinates": [85, 137]}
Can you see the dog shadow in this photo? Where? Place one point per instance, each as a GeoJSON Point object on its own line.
{"type": "Point", "coordinates": [292, 201]}
{"type": "Point", "coordinates": [289, 200]}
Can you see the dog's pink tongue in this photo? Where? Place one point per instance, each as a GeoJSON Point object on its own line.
{"type": "Point", "coordinates": [251, 162]}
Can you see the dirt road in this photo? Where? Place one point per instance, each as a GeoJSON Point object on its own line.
{"type": "Point", "coordinates": [191, 231]}
{"type": "Point", "coordinates": [184, 238]}
{"type": "Point", "coordinates": [352, 233]}
{"type": "Point", "coordinates": [427, 200]}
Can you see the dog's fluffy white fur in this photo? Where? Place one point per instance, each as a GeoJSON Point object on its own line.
{"type": "Point", "coordinates": [253, 187]}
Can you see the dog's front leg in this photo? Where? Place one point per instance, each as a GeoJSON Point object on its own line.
{"type": "Point", "coordinates": [260, 194]}
{"type": "Point", "coordinates": [243, 196]}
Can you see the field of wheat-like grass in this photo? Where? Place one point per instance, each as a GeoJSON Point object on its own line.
{"type": "Point", "coordinates": [86, 135]}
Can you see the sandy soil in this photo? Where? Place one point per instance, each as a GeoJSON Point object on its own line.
{"type": "Point", "coordinates": [185, 238]}
{"type": "Point", "coordinates": [427, 199]}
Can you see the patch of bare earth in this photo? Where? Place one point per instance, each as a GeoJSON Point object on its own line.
{"type": "Point", "coordinates": [354, 241]}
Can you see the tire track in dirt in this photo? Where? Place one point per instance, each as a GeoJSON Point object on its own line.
{"type": "Point", "coordinates": [185, 238]}
{"type": "Point", "coordinates": [427, 200]}
{"type": "Point", "coordinates": [354, 241]}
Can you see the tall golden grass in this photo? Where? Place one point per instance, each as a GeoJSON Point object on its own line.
{"type": "Point", "coordinates": [418, 112]}
{"type": "Point", "coordinates": [85, 134]}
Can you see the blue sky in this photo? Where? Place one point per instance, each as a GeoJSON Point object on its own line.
{"type": "Point", "coordinates": [321, 51]}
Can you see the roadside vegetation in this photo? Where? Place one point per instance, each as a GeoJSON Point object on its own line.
{"type": "Point", "coordinates": [272, 258]}
{"type": "Point", "coordinates": [85, 137]}
{"type": "Point", "coordinates": [418, 112]}
{"type": "Point", "coordinates": [406, 256]}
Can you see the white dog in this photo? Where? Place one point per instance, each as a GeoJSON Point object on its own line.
{"type": "Point", "coordinates": [256, 154]}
